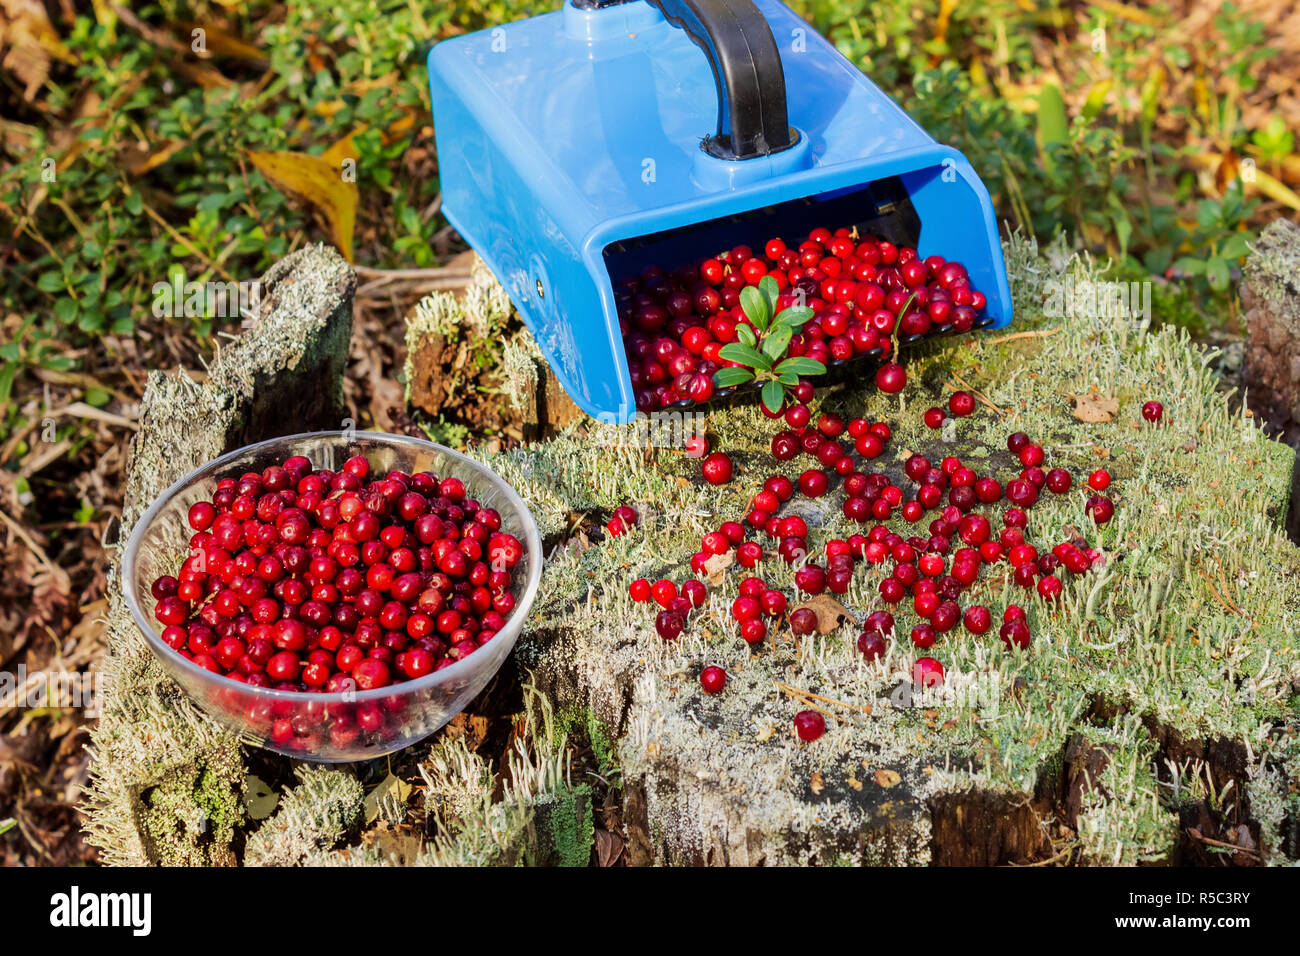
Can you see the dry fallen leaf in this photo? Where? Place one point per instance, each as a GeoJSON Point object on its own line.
{"type": "Point", "coordinates": [830, 612]}
{"type": "Point", "coordinates": [470, 726]}
{"type": "Point", "coordinates": [887, 778]}
{"type": "Point", "coordinates": [143, 158]}
{"type": "Point", "coordinates": [1095, 408]}
{"type": "Point", "coordinates": [27, 41]}
{"type": "Point", "coordinates": [818, 784]}
{"type": "Point", "coordinates": [259, 799]}
{"type": "Point", "coordinates": [392, 789]}
{"type": "Point", "coordinates": [609, 847]}
{"type": "Point", "coordinates": [716, 566]}
{"type": "Point", "coordinates": [318, 181]}
{"type": "Point", "coordinates": [400, 844]}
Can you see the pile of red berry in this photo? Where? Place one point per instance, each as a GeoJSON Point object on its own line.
{"type": "Point", "coordinates": [936, 570]}
{"type": "Point", "coordinates": [306, 580]}
{"type": "Point", "coordinates": [862, 290]}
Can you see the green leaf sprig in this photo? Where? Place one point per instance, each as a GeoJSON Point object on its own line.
{"type": "Point", "coordinates": [762, 345]}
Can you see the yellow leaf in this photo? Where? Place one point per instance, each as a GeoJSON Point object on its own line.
{"type": "Point", "coordinates": [1276, 190]}
{"type": "Point", "coordinates": [222, 44]}
{"type": "Point", "coordinates": [318, 182]}
{"type": "Point", "coordinates": [1273, 188]}
{"type": "Point", "coordinates": [259, 799]}
{"type": "Point", "coordinates": [343, 149]}
{"type": "Point", "coordinates": [140, 161]}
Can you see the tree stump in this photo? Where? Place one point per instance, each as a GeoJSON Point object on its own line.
{"type": "Point", "coordinates": [1170, 669]}
{"type": "Point", "coordinates": [1055, 754]}
{"type": "Point", "coordinates": [167, 782]}
{"type": "Point", "coordinates": [1270, 294]}
{"type": "Point", "coordinates": [465, 342]}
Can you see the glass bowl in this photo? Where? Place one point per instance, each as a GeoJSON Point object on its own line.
{"type": "Point", "coordinates": [329, 727]}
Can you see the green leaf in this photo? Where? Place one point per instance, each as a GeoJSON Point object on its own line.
{"type": "Point", "coordinates": [801, 365]}
{"type": "Point", "coordinates": [1123, 230]}
{"type": "Point", "coordinates": [1189, 266]}
{"type": "Point", "coordinates": [746, 335]}
{"type": "Point", "coordinates": [1235, 246]}
{"type": "Point", "coordinates": [789, 379]}
{"type": "Point", "coordinates": [754, 304]}
{"type": "Point", "coordinates": [727, 377]}
{"type": "Point", "coordinates": [767, 285]}
{"type": "Point", "coordinates": [745, 355]}
{"type": "Point", "coordinates": [773, 396]}
{"type": "Point", "coordinates": [65, 309]}
{"type": "Point", "coordinates": [1216, 270]}
{"type": "Point", "coordinates": [795, 316]}
{"type": "Point", "coordinates": [7, 373]}
{"type": "Point", "coordinates": [777, 341]}
{"type": "Point", "coordinates": [1053, 127]}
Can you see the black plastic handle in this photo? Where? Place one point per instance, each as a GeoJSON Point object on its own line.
{"type": "Point", "coordinates": [734, 34]}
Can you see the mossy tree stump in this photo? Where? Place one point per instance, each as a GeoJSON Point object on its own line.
{"type": "Point", "coordinates": [168, 784]}
{"type": "Point", "coordinates": [1153, 720]}
{"type": "Point", "coordinates": [1271, 297]}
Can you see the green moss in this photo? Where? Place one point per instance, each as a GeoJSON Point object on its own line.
{"type": "Point", "coordinates": [568, 824]}
{"type": "Point", "coordinates": [1184, 628]}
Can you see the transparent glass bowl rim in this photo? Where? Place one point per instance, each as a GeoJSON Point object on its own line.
{"type": "Point", "coordinates": [532, 542]}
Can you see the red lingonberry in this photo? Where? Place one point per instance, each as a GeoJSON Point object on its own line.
{"type": "Point", "coordinates": [1015, 633]}
{"type": "Point", "coordinates": [713, 679]}
{"type": "Point", "coordinates": [871, 644]}
{"type": "Point", "coordinates": [1031, 455]}
{"type": "Point", "coordinates": [803, 621]}
{"type": "Point", "coordinates": [891, 378]}
{"type": "Point", "coordinates": [1100, 508]}
{"type": "Point", "coordinates": [1099, 480]}
{"type": "Point", "coordinates": [923, 635]}
{"type": "Point", "coordinates": [961, 403]}
{"type": "Point", "coordinates": [977, 619]}
{"type": "Point", "coordinates": [669, 624]}
{"type": "Point", "coordinates": [809, 725]}
{"type": "Point", "coordinates": [717, 468]}
{"type": "Point", "coordinates": [663, 591]}
{"type": "Point", "coordinates": [1059, 481]}
{"type": "Point", "coordinates": [927, 672]}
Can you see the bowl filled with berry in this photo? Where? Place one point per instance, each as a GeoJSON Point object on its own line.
{"type": "Point", "coordinates": [334, 596]}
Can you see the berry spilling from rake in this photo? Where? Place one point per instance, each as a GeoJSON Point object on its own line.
{"type": "Point", "coordinates": [775, 319]}
{"type": "Point", "coordinates": [761, 319]}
